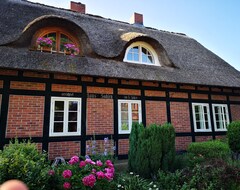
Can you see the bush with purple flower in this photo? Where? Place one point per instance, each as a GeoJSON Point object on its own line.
{"type": "Point", "coordinates": [71, 48]}
{"type": "Point", "coordinates": [86, 174]}
{"type": "Point", "coordinates": [44, 42]}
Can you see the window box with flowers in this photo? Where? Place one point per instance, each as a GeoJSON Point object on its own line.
{"type": "Point", "coordinates": [70, 49]}
{"type": "Point", "coordinates": [45, 44]}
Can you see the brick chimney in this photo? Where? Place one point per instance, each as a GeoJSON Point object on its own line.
{"type": "Point", "coordinates": [137, 19]}
{"type": "Point", "coordinates": [78, 7]}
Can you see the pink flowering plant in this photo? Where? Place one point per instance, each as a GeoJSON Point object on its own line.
{"type": "Point", "coordinates": [71, 48]}
{"type": "Point", "coordinates": [86, 174]}
{"type": "Point", "coordinates": [44, 42]}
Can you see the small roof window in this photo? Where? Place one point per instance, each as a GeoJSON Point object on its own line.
{"type": "Point", "coordinates": [141, 52]}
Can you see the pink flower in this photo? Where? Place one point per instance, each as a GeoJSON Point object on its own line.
{"type": "Point", "coordinates": [99, 163]}
{"type": "Point", "coordinates": [93, 171]}
{"type": "Point", "coordinates": [110, 170]}
{"type": "Point", "coordinates": [88, 160]}
{"type": "Point", "coordinates": [74, 160]}
{"type": "Point", "coordinates": [66, 185]}
{"type": "Point", "coordinates": [100, 175]}
{"type": "Point", "coordinates": [89, 180]}
{"type": "Point", "coordinates": [67, 173]}
{"type": "Point", "coordinates": [109, 163]}
{"type": "Point", "coordinates": [51, 172]}
{"type": "Point", "coordinates": [109, 176]}
{"type": "Point", "coordinates": [82, 164]}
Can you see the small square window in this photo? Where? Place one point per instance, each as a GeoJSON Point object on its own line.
{"type": "Point", "coordinates": [201, 117]}
{"type": "Point", "coordinates": [129, 111]}
{"type": "Point", "coordinates": [221, 117]}
{"type": "Point", "coordinates": [65, 119]}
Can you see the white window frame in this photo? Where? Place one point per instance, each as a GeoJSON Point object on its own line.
{"type": "Point", "coordinates": [223, 119]}
{"type": "Point", "coordinates": [141, 45]}
{"type": "Point", "coordinates": [208, 115]}
{"type": "Point", "coordinates": [65, 124]}
{"type": "Point", "coordinates": [120, 131]}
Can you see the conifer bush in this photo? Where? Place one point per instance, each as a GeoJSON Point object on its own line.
{"type": "Point", "coordinates": [133, 141]}
{"type": "Point", "coordinates": [233, 135]}
{"type": "Point", "coordinates": [154, 149]}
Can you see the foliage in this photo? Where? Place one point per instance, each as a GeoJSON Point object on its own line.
{"type": "Point", "coordinates": [233, 135]}
{"type": "Point", "coordinates": [134, 144]}
{"type": "Point", "coordinates": [87, 174]}
{"type": "Point", "coordinates": [24, 162]}
{"type": "Point", "coordinates": [71, 48]}
{"type": "Point", "coordinates": [168, 180]}
{"type": "Point", "coordinates": [152, 148]}
{"type": "Point", "coordinates": [201, 151]}
{"type": "Point", "coordinates": [133, 182]}
{"type": "Point", "coordinates": [44, 42]}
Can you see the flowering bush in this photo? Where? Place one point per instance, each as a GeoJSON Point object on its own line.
{"type": "Point", "coordinates": [44, 42]}
{"type": "Point", "coordinates": [72, 49]}
{"type": "Point", "coordinates": [86, 174]}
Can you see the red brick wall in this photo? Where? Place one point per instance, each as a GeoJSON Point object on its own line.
{"type": "Point", "coordinates": [27, 85]}
{"type": "Point", "coordinates": [178, 95]}
{"type": "Point", "coordinates": [99, 116]}
{"type": "Point", "coordinates": [155, 93]}
{"type": "Point", "coordinates": [65, 77]}
{"type": "Point", "coordinates": [180, 116]}
{"type": "Point", "coordinates": [123, 146]}
{"type": "Point", "coordinates": [8, 72]}
{"type": "Point", "coordinates": [203, 138]}
{"type": "Point", "coordinates": [129, 92]}
{"type": "Point", "coordinates": [35, 74]}
{"type": "Point", "coordinates": [1, 84]}
{"type": "Point", "coordinates": [25, 116]}
{"type": "Point", "coordinates": [66, 88]}
{"type": "Point", "coordinates": [64, 149]}
{"type": "Point", "coordinates": [199, 96]}
{"type": "Point", "coordinates": [181, 143]}
{"type": "Point", "coordinates": [235, 111]}
{"type": "Point", "coordinates": [156, 112]}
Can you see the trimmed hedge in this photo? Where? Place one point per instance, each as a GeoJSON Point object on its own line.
{"type": "Point", "coordinates": [214, 149]}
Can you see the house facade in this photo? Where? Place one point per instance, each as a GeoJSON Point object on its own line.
{"type": "Point", "coordinates": [123, 73]}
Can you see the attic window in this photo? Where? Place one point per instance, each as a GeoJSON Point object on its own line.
{"type": "Point", "coordinates": [59, 38]}
{"type": "Point", "coordinates": [141, 52]}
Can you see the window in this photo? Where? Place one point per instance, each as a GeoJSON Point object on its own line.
{"type": "Point", "coordinates": [65, 119]}
{"type": "Point", "coordinates": [201, 117]}
{"type": "Point", "coordinates": [129, 111]}
{"type": "Point", "coordinates": [59, 36]}
{"type": "Point", "coordinates": [221, 117]}
{"type": "Point", "coordinates": [141, 52]}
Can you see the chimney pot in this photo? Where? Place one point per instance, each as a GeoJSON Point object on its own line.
{"type": "Point", "coordinates": [78, 7]}
{"type": "Point", "coordinates": [136, 19]}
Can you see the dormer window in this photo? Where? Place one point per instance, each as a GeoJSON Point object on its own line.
{"type": "Point", "coordinates": [141, 52]}
{"type": "Point", "coordinates": [59, 37]}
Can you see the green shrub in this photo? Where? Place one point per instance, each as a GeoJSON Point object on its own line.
{"type": "Point", "coordinates": [201, 151]}
{"type": "Point", "coordinates": [133, 182]}
{"type": "Point", "coordinates": [233, 135]}
{"type": "Point", "coordinates": [23, 161]}
{"type": "Point", "coordinates": [134, 143]}
{"type": "Point", "coordinates": [168, 180]}
{"type": "Point", "coordinates": [154, 149]}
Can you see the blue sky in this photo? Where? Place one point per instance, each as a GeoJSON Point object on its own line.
{"type": "Point", "coordinates": [213, 23]}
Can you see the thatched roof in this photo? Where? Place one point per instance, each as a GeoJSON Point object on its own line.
{"type": "Point", "coordinates": [183, 59]}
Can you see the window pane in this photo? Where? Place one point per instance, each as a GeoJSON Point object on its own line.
{"type": "Point", "coordinates": [64, 40]}
{"type": "Point", "coordinates": [72, 116]}
{"type": "Point", "coordinates": [124, 115]}
{"type": "Point", "coordinates": [196, 109]}
{"type": "Point", "coordinates": [124, 106]}
{"type": "Point", "coordinates": [135, 115]}
{"type": "Point", "coordinates": [59, 105]}
{"type": "Point", "coordinates": [58, 127]}
{"type": "Point", "coordinates": [133, 54]}
{"type": "Point", "coordinates": [58, 116]}
{"type": "Point", "coordinates": [146, 56]}
{"type": "Point", "coordinates": [198, 124]}
{"type": "Point", "coordinates": [53, 38]}
{"type": "Point", "coordinates": [72, 126]}
{"type": "Point", "coordinates": [124, 126]}
{"type": "Point", "coordinates": [73, 105]}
